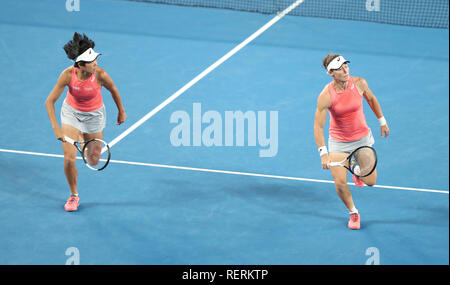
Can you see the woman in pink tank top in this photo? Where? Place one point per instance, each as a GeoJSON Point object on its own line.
{"type": "Point", "coordinates": [343, 100]}
{"type": "Point", "coordinates": [83, 114]}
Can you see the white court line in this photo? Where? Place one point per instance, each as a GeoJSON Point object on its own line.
{"type": "Point", "coordinates": [204, 73]}
{"type": "Point", "coordinates": [225, 171]}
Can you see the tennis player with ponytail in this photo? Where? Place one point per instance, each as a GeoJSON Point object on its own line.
{"type": "Point", "coordinates": [83, 115]}
{"type": "Point", "coordinates": [343, 99]}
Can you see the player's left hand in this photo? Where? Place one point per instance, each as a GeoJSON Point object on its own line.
{"type": "Point", "coordinates": [121, 117]}
{"type": "Point", "coordinates": [384, 130]}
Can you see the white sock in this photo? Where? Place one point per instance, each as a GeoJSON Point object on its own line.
{"type": "Point", "coordinates": [353, 210]}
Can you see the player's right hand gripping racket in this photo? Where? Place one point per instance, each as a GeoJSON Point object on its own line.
{"type": "Point", "coordinates": [361, 162]}
{"type": "Point", "coordinates": [95, 152]}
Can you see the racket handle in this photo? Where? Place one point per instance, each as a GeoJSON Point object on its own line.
{"type": "Point", "coordinates": [69, 140]}
{"type": "Point", "coordinates": [334, 164]}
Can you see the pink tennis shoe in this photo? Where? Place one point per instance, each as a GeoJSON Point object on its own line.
{"type": "Point", "coordinates": [72, 204]}
{"type": "Point", "coordinates": [357, 181]}
{"type": "Point", "coordinates": [355, 221]}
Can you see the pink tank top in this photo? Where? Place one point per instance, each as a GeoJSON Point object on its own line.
{"type": "Point", "coordinates": [347, 120]}
{"type": "Point", "coordinates": [84, 95]}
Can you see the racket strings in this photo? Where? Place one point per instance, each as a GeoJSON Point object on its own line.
{"type": "Point", "coordinates": [366, 160]}
{"type": "Point", "coordinates": [93, 154]}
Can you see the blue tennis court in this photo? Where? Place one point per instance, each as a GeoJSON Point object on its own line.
{"type": "Point", "coordinates": [263, 200]}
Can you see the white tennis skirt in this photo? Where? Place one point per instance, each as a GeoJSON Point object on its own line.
{"type": "Point", "coordinates": [338, 146]}
{"type": "Point", "coordinates": [86, 122]}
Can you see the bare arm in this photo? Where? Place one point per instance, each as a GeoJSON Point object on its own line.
{"type": "Point", "coordinates": [111, 87]}
{"type": "Point", "coordinates": [62, 82]}
{"type": "Point", "coordinates": [323, 103]}
{"type": "Point", "coordinates": [373, 103]}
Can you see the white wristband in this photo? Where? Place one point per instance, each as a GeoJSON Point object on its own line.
{"type": "Point", "coordinates": [323, 150]}
{"type": "Point", "coordinates": [382, 121]}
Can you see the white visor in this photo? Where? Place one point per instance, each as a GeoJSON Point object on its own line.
{"type": "Point", "coordinates": [336, 63]}
{"type": "Point", "coordinates": [88, 56]}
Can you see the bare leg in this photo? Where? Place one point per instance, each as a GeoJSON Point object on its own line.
{"type": "Point", "coordinates": [371, 179]}
{"type": "Point", "coordinates": [87, 137]}
{"type": "Point", "coordinates": [93, 154]}
{"type": "Point", "coordinates": [340, 180]}
{"type": "Point", "coordinates": [70, 157]}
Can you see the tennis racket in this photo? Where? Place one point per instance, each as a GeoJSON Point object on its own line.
{"type": "Point", "coordinates": [95, 152]}
{"type": "Point", "coordinates": [361, 162]}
